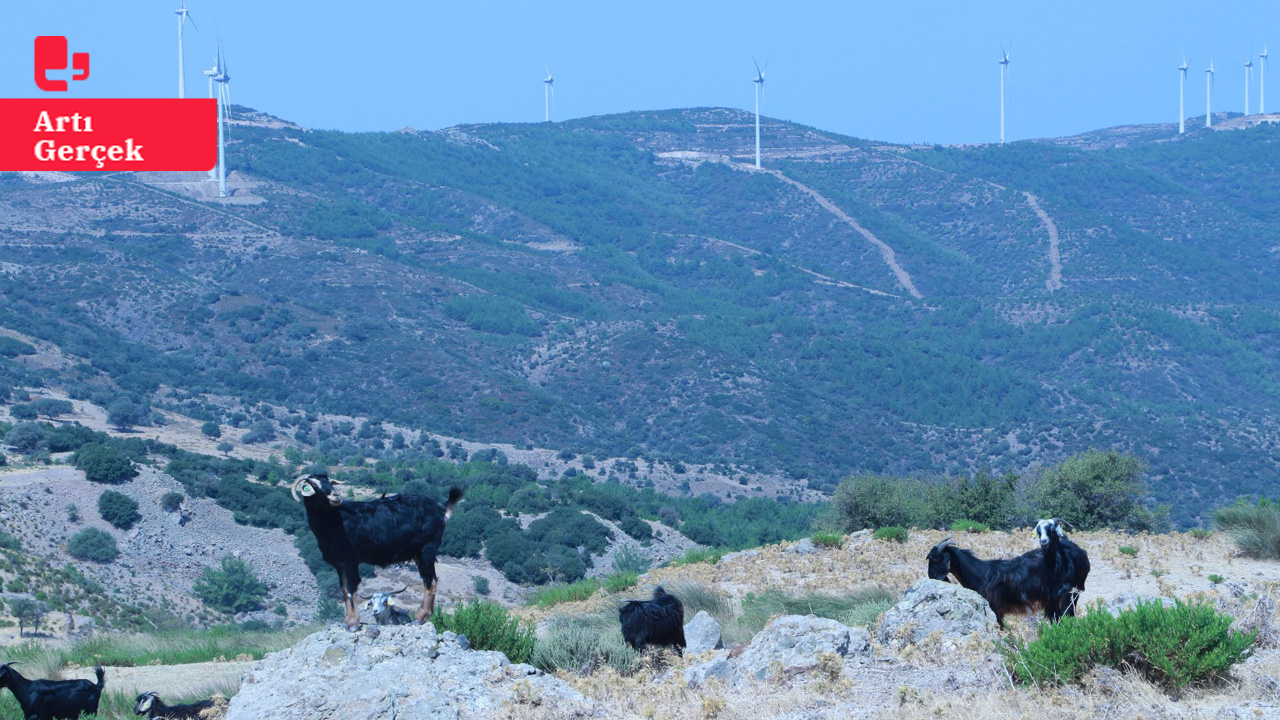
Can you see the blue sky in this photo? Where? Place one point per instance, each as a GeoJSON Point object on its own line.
{"type": "Point", "coordinates": [905, 72]}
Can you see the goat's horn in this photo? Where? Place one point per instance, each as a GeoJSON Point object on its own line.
{"type": "Point", "coordinates": [397, 592]}
{"type": "Point", "coordinates": [297, 484]}
{"type": "Point", "coordinates": [944, 542]}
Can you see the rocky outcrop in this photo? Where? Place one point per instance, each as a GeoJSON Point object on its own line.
{"type": "Point", "coordinates": [702, 634]}
{"type": "Point", "coordinates": [789, 646]}
{"type": "Point", "coordinates": [939, 610]}
{"type": "Point", "coordinates": [401, 672]}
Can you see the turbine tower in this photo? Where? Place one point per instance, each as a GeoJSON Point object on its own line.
{"type": "Point", "coordinates": [1182, 94]}
{"type": "Point", "coordinates": [759, 81]}
{"type": "Point", "coordinates": [1248, 80]}
{"type": "Point", "coordinates": [1208, 96]}
{"type": "Point", "coordinates": [183, 16]}
{"type": "Point", "coordinates": [223, 78]}
{"type": "Point", "coordinates": [210, 73]}
{"type": "Point", "coordinates": [1262, 82]}
{"type": "Point", "coordinates": [549, 91]}
{"type": "Point", "coordinates": [1004, 72]}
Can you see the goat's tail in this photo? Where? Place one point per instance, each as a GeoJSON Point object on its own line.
{"type": "Point", "coordinates": [97, 670]}
{"type": "Point", "coordinates": [455, 497]}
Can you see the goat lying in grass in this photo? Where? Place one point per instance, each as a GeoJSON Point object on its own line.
{"type": "Point", "coordinates": [1013, 585]}
{"type": "Point", "coordinates": [149, 705]}
{"type": "Point", "coordinates": [384, 610]}
{"type": "Point", "coordinates": [379, 532]}
{"type": "Point", "coordinates": [659, 621]}
{"type": "Point", "coordinates": [53, 699]}
{"type": "Point", "coordinates": [1066, 567]}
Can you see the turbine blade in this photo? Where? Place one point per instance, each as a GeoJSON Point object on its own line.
{"type": "Point", "coordinates": [753, 62]}
{"type": "Point", "coordinates": [187, 16]}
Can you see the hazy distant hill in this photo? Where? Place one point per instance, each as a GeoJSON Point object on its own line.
{"type": "Point", "coordinates": [628, 284]}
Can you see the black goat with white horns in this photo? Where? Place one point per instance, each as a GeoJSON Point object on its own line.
{"type": "Point", "coordinates": [659, 621]}
{"type": "Point", "coordinates": [149, 705]}
{"type": "Point", "coordinates": [379, 532]}
{"type": "Point", "coordinates": [1012, 585]}
{"type": "Point", "coordinates": [53, 699]}
{"type": "Point", "coordinates": [1066, 567]}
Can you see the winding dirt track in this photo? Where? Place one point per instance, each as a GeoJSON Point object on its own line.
{"type": "Point", "coordinates": [1055, 258]}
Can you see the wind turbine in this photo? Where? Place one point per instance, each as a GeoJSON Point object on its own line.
{"type": "Point", "coordinates": [210, 73]}
{"type": "Point", "coordinates": [1004, 71]}
{"type": "Point", "coordinates": [183, 16]}
{"type": "Point", "coordinates": [223, 78]}
{"type": "Point", "coordinates": [759, 81]}
{"type": "Point", "coordinates": [1208, 97]}
{"type": "Point", "coordinates": [549, 91]}
{"type": "Point", "coordinates": [1182, 93]}
{"type": "Point", "coordinates": [1248, 80]}
{"type": "Point", "coordinates": [1262, 82]}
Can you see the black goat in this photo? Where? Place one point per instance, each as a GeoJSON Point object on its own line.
{"type": "Point", "coordinates": [659, 621]}
{"type": "Point", "coordinates": [1012, 585]}
{"type": "Point", "coordinates": [52, 699]}
{"type": "Point", "coordinates": [1066, 567]}
{"type": "Point", "coordinates": [379, 532]}
{"type": "Point", "coordinates": [149, 705]}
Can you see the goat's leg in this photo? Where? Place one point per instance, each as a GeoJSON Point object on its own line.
{"type": "Point", "coordinates": [427, 570]}
{"type": "Point", "coordinates": [349, 580]}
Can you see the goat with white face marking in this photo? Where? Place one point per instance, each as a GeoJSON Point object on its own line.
{"type": "Point", "coordinates": [384, 610]}
{"type": "Point", "coordinates": [149, 705]}
{"type": "Point", "coordinates": [1066, 567]}
{"type": "Point", "coordinates": [380, 532]}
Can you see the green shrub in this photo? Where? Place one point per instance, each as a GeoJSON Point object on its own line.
{"type": "Point", "coordinates": [620, 581]}
{"type": "Point", "coordinates": [1201, 533]}
{"type": "Point", "coordinates": [896, 534]}
{"type": "Point", "coordinates": [866, 501]}
{"type": "Point", "coordinates": [553, 595]}
{"type": "Point", "coordinates": [711, 556]}
{"type": "Point", "coordinates": [697, 597]}
{"type": "Point", "coordinates": [1098, 490]}
{"type": "Point", "coordinates": [9, 542]}
{"type": "Point", "coordinates": [481, 584]}
{"type": "Point", "coordinates": [104, 464]}
{"type": "Point", "coordinates": [1129, 550]}
{"type": "Point", "coordinates": [171, 501]}
{"type": "Point", "coordinates": [118, 509]}
{"type": "Point", "coordinates": [827, 539]}
{"type": "Point", "coordinates": [969, 526]}
{"type": "Point", "coordinates": [1173, 647]}
{"type": "Point", "coordinates": [1253, 527]}
{"type": "Point", "coordinates": [862, 606]}
{"type": "Point", "coordinates": [488, 626]}
{"type": "Point", "coordinates": [93, 544]}
{"type": "Point", "coordinates": [233, 588]}
{"type": "Point", "coordinates": [211, 430]}
{"type": "Point", "coordinates": [585, 644]}
{"type": "Point", "coordinates": [1215, 579]}
{"type": "Point", "coordinates": [629, 559]}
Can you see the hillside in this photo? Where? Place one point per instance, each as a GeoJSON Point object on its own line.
{"type": "Point", "coordinates": [627, 287]}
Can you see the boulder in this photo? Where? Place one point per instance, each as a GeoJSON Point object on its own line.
{"type": "Point", "coordinates": [803, 547]}
{"type": "Point", "coordinates": [702, 634]}
{"type": "Point", "coordinates": [719, 668]}
{"type": "Point", "coordinates": [794, 643]}
{"type": "Point", "coordinates": [406, 671]}
{"type": "Point", "coordinates": [735, 556]}
{"type": "Point", "coordinates": [1128, 601]}
{"type": "Point", "coordinates": [933, 606]}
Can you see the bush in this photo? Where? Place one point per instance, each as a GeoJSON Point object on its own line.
{"type": "Point", "coordinates": [211, 430]}
{"type": "Point", "coordinates": [585, 644]}
{"type": "Point", "coordinates": [896, 534]}
{"type": "Point", "coordinates": [1255, 528]}
{"type": "Point", "coordinates": [93, 544]}
{"type": "Point", "coordinates": [1128, 550]}
{"type": "Point", "coordinates": [488, 626]}
{"type": "Point", "coordinates": [620, 581]}
{"type": "Point", "coordinates": [124, 414]}
{"type": "Point", "coordinates": [27, 438]}
{"type": "Point", "coordinates": [553, 595]}
{"type": "Point", "coordinates": [827, 539]}
{"type": "Point", "coordinates": [629, 559]}
{"type": "Point", "coordinates": [711, 556]}
{"type": "Point", "coordinates": [118, 509]}
{"type": "Point", "coordinates": [1098, 490]}
{"type": "Point", "coordinates": [1174, 647]}
{"type": "Point", "coordinates": [28, 612]}
{"type": "Point", "coordinates": [171, 501]}
{"type": "Point", "coordinates": [104, 464]}
{"type": "Point", "coordinates": [481, 584]}
{"type": "Point", "coordinates": [969, 526]}
{"type": "Point", "coordinates": [867, 501]}
{"type": "Point", "coordinates": [234, 588]}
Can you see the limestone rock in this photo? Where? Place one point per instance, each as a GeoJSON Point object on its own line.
{"type": "Point", "coordinates": [407, 672]}
{"type": "Point", "coordinates": [793, 643]}
{"type": "Point", "coordinates": [702, 634]}
{"type": "Point", "coordinates": [933, 606]}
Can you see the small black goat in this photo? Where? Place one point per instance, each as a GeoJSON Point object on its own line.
{"type": "Point", "coordinates": [52, 699]}
{"type": "Point", "coordinates": [1066, 567]}
{"type": "Point", "coordinates": [149, 705]}
{"type": "Point", "coordinates": [1013, 585]}
{"type": "Point", "coordinates": [659, 621]}
{"type": "Point", "coordinates": [379, 532]}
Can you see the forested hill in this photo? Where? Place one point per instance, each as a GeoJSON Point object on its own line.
{"type": "Point", "coordinates": [629, 285]}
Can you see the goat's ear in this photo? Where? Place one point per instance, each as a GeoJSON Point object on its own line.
{"type": "Point", "coordinates": [308, 488]}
